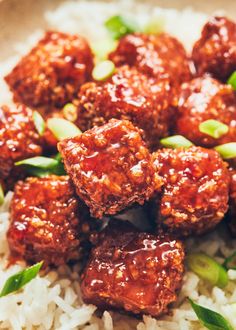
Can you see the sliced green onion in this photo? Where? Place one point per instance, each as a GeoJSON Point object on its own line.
{"type": "Point", "coordinates": [230, 262]}
{"type": "Point", "coordinates": [227, 150]}
{"type": "Point", "coordinates": [1, 195]}
{"type": "Point", "coordinates": [213, 128]}
{"type": "Point", "coordinates": [40, 162]}
{"type": "Point", "coordinates": [70, 112]}
{"type": "Point", "coordinates": [102, 48]}
{"type": "Point", "coordinates": [17, 281]}
{"type": "Point", "coordinates": [208, 269]}
{"type": "Point", "coordinates": [39, 122]}
{"type": "Point", "coordinates": [62, 129]}
{"type": "Point", "coordinates": [176, 141]}
{"type": "Point", "coordinates": [103, 70]}
{"type": "Point", "coordinates": [232, 80]}
{"type": "Point", "coordinates": [119, 26]}
{"type": "Point", "coordinates": [210, 319]}
{"type": "Point", "coordinates": [155, 25]}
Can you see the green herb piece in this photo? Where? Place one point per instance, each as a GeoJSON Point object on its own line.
{"type": "Point", "coordinates": [155, 25]}
{"type": "Point", "coordinates": [232, 80]}
{"type": "Point", "coordinates": [210, 319]}
{"type": "Point", "coordinates": [230, 262]}
{"type": "Point", "coordinates": [213, 128]}
{"type": "Point", "coordinates": [176, 141]}
{"type": "Point", "coordinates": [102, 48]}
{"type": "Point", "coordinates": [227, 150]}
{"type": "Point", "coordinates": [62, 128]}
{"type": "Point", "coordinates": [39, 162]}
{"type": "Point", "coordinates": [1, 195]}
{"type": "Point", "coordinates": [208, 269]}
{"type": "Point", "coordinates": [70, 112]}
{"type": "Point", "coordinates": [39, 122]}
{"type": "Point", "coordinates": [119, 26]}
{"type": "Point", "coordinates": [103, 70]}
{"type": "Point", "coordinates": [17, 281]}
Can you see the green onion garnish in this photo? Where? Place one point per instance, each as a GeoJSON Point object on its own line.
{"type": "Point", "coordinates": [102, 48]}
{"type": "Point", "coordinates": [39, 122]}
{"type": "Point", "coordinates": [70, 112]}
{"type": "Point", "coordinates": [210, 319]}
{"type": "Point", "coordinates": [17, 281]}
{"type": "Point", "coordinates": [62, 128]}
{"type": "Point", "coordinates": [232, 80]}
{"type": "Point", "coordinates": [1, 195]}
{"type": "Point", "coordinates": [230, 262]}
{"type": "Point", "coordinates": [45, 163]}
{"type": "Point", "coordinates": [176, 141]}
{"type": "Point", "coordinates": [103, 70]}
{"type": "Point", "coordinates": [155, 25]}
{"type": "Point", "coordinates": [227, 150]}
{"type": "Point", "coordinates": [119, 26]}
{"type": "Point", "coordinates": [208, 269]}
{"type": "Point", "coordinates": [213, 128]}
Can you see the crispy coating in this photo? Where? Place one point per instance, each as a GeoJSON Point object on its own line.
{"type": "Point", "coordinates": [110, 166]}
{"type": "Point", "coordinates": [51, 74]}
{"type": "Point", "coordinates": [134, 271]}
{"type": "Point", "coordinates": [155, 55]}
{"type": "Point", "coordinates": [215, 51]}
{"type": "Point", "coordinates": [48, 222]}
{"type": "Point", "coordinates": [19, 138]}
{"type": "Point", "coordinates": [202, 99]}
{"type": "Point", "coordinates": [130, 95]}
{"type": "Point", "coordinates": [195, 193]}
{"type": "Point", "coordinates": [232, 202]}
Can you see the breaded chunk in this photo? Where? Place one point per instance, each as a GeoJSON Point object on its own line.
{"type": "Point", "coordinates": [131, 95]}
{"type": "Point", "coordinates": [232, 202]}
{"type": "Point", "coordinates": [154, 55]}
{"type": "Point", "coordinates": [215, 51]}
{"type": "Point", "coordinates": [48, 222]}
{"type": "Point", "coordinates": [110, 166]}
{"type": "Point", "coordinates": [133, 271]}
{"type": "Point", "coordinates": [195, 193]}
{"type": "Point", "coordinates": [51, 74]}
{"type": "Point", "coordinates": [202, 99]}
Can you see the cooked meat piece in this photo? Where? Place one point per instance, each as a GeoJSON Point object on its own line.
{"type": "Point", "coordinates": [215, 51]}
{"type": "Point", "coordinates": [51, 74]}
{"type": "Point", "coordinates": [232, 202]}
{"type": "Point", "coordinates": [202, 99]}
{"type": "Point", "coordinates": [19, 138]}
{"type": "Point", "coordinates": [155, 55]}
{"type": "Point", "coordinates": [47, 221]}
{"type": "Point", "coordinates": [195, 191]}
{"type": "Point", "coordinates": [134, 271]}
{"type": "Point", "coordinates": [110, 166]}
{"type": "Point", "coordinates": [128, 94]}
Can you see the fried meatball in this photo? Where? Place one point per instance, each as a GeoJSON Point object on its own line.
{"type": "Point", "coordinates": [130, 95]}
{"type": "Point", "coordinates": [134, 271]}
{"type": "Point", "coordinates": [48, 222]}
{"type": "Point", "coordinates": [155, 55]}
{"type": "Point", "coordinates": [232, 202]}
{"type": "Point", "coordinates": [51, 74]}
{"type": "Point", "coordinates": [202, 99]}
{"type": "Point", "coordinates": [195, 192]}
{"type": "Point", "coordinates": [215, 51]}
{"type": "Point", "coordinates": [19, 138]}
{"type": "Point", "coordinates": [110, 166]}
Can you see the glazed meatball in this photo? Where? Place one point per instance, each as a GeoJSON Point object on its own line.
{"type": "Point", "coordinates": [134, 271]}
{"type": "Point", "coordinates": [195, 193]}
{"type": "Point", "coordinates": [215, 51]}
{"type": "Point", "coordinates": [19, 138]}
{"type": "Point", "coordinates": [232, 202]}
{"type": "Point", "coordinates": [202, 99]}
{"type": "Point", "coordinates": [110, 166]}
{"type": "Point", "coordinates": [47, 221]}
{"type": "Point", "coordinates": [155, 55]}
{"type": "Point", "coordinates": [130, 95]}
{"type": "Point", "coordinates": [51, 74]}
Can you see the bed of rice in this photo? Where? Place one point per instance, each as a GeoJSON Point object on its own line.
{"type": "Point", "coordinates": [52, 300]}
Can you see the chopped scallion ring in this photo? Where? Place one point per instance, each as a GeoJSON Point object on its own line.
{"type": "Point", "coordinates": [119, 26]}
{"type": "Point", "coordinates": [40, 162]}
{"type": "Point", "coordinates": [102, 48]}
{"type": "Point", "coordinates": [227, 150]}
{"type": "Point", "coordinates": [70, 112]}
{"type": "Point", "coordinates": [208, 269]}
{"type": "Point", "coordinates": [213, 128]}
{"type": "Point", "coordinates": [1, 195]}
{"type": "Point", "coordinates": [232, 80]}
{"type": "Point", "coordinates": [176, 141]}
{"type": "Point", "coordinates": [103, 70]}
{"type": "Point", "coordinates": [62, 128]}
{"type": "Point", "coordinates": [39, 122]}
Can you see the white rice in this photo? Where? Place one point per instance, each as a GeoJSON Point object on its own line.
{"type": "Point", "coordinates": [52, 300]}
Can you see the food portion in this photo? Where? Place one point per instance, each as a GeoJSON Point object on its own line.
{"type": "Point", "coordinates": [215, 51]}
{"type": "Point", "coordinates": [232, 202]}
{"type": "Point", "coordinates": [110, 167]}
{"type": "Point", "coordinates": [194, 197]}
{"type": "Point", "coordinates": [134, 271]}
{"type": "Point", "coordinates": [48, 222]}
